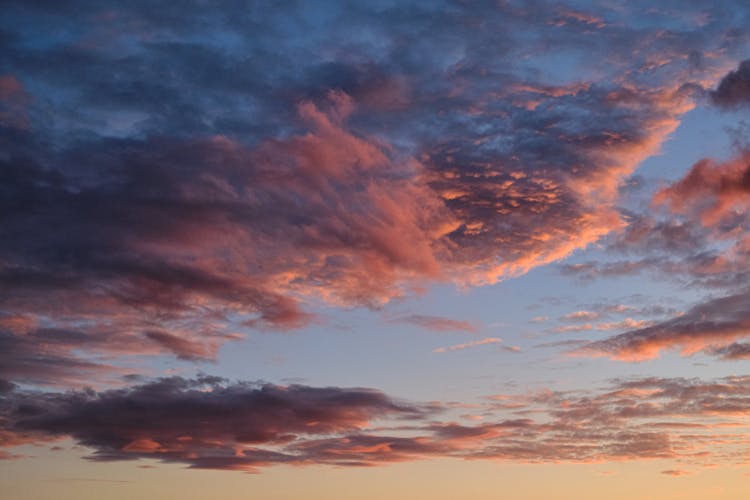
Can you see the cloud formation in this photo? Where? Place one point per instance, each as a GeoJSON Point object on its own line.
{"type": "Point", "coordinates": [702, 242]}
{"type": "Point", "coordinates": [436, 323]}
{"type": "Point", "coordinates": [711, 192]}
{"type": "Point", "coordinates": [474, 343]}
{"type": "Point", "coordinates": [733, 352]}
{"type": "Point", "coordinates": [271, 171]}
{"type": "Point", "coordinates": [205, 422]}
{"type": "Point", "coordinates": [210, 423]}
{"type": "Point", "coordinates": [707, 326]}
{"type": "Point", "coordinates": [734, 89]}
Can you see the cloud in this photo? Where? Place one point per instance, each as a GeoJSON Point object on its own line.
{"type": "Point", "coordinates": [574, 328]}
{"type": "Point", "coordinates": [25, 359]}
{"type": "Point", "coordinates": [563, 343]}
{"type": "Point", "coordinates": [436, 323]}
{"type": "Point", "coordinates": [702, 243]}
{"type": "Point", "coordinates": [270, 172]}
{"type": "Point", "coordinates": [604, 326]}
{"type": "Point", "coordinates": [734, 89]}
{"type": "Point", "coordinates": [706, 326]}
{"type": "Point", "coordinates": [733, 352]}
{"type": "Point", "coordinates": [580, 316]}
{"type": "Point", "coordinates": [645, 234]}
{"type": "Point", "coordinates": [206, 423]}
{"type": "Point", "coordinates": [625, 323]}
{"type": "Point", "coordinates": [211, 423]}
{"type": "Point", "coordinates": [77, 352]}
{"type": "Point", "coordinates": [711, 191]}
{"type": "Point", "coordinates": [676, 472]}
{"type": "Point", "coordinates": [595, 270]}
{"type": "Point", "coordinates": [474, 343]}
{"type": "Point", "coordinates": [182, 347]}
{"type": "Point", "coordinates": [696, 236]}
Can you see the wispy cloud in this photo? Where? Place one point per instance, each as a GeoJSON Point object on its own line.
{"type": "Point", "coordinates": [474, 343]}
{"type": "Point", "coordinates": [710, 326]}
{"type": "Point", "coordinates": [676, 472]}
{"type": "Point", "coordinates": [580, 316]}
{"type": "Point", "coordinates": [436, 323]}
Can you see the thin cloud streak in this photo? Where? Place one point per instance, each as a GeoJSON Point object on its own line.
{"type": "Point", "coordinates": [467, 345]}
{"type": "Point", "coordinates": [436, 323]}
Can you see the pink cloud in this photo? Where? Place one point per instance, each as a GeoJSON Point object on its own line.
{"type": "Point", "coordinates": [708, 326]}
{"type": "Point", "coordinates": [475, 343]}
{"type": "Point", "coordinates": [712, 191]}
{"type": "Point", "coordinates": [437, 323]}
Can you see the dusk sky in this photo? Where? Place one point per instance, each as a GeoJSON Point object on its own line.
{"type": "Point", "coordinates": [382, 249]}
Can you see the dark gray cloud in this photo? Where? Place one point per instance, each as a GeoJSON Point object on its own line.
{"type": "Point", "coordinates": [734, 89]}
{"type": "Point", "coordinates": [205, 422]}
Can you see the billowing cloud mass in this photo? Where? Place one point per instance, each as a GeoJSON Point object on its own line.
{"type": "Point", "coordinates": [165, 184]}
{"type": "Point", "coordinates": [210, 423]}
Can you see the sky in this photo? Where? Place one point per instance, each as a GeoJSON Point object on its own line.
{"type": "Point", "coordinates": [374, 249]}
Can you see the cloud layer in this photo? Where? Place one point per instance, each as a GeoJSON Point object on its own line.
{"type": "Point", "coordinates": [210, 423]}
